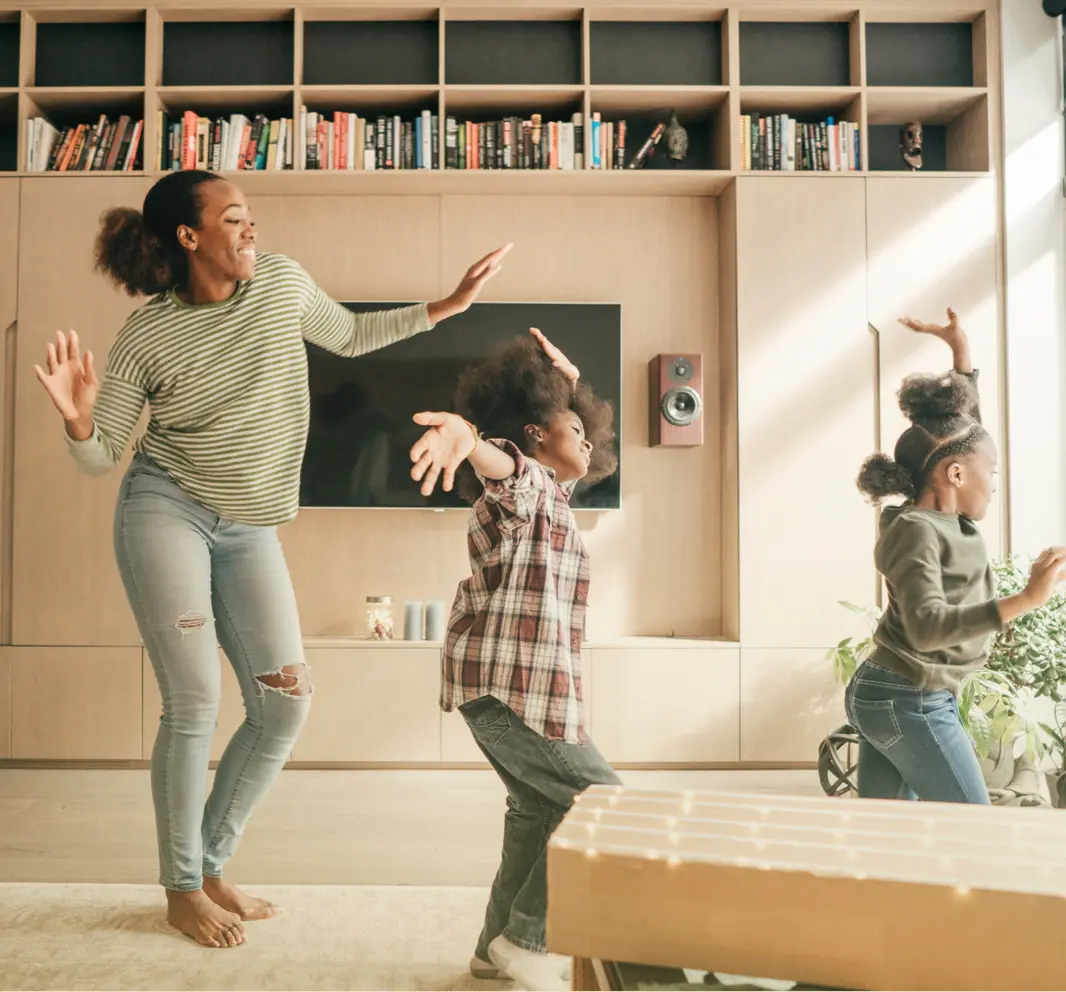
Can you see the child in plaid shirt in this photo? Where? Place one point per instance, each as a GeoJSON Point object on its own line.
{"type": "Point", "coordinates": [512, 654]}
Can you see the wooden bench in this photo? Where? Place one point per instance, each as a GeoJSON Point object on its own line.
{"type": "Point", "coordinates": [857, 894]}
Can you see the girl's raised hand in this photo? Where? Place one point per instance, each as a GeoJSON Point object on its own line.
{"type": "Point", "coordinates": [558, 359]}
{"type": "Point", "coordinates": [943, 331]}
{"type": "Point", "coordinates": [449, 441]}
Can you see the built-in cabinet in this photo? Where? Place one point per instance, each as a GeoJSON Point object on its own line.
{"type": "Point", "coordinates": [823, 272]}
{"type": "Point", "coordinates": [813, 272]}
{"type": "Point", "coordinates": [75, 704]}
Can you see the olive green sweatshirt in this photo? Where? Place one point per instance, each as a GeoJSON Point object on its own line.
{"type": "Point", "coordinates": [942, 605]}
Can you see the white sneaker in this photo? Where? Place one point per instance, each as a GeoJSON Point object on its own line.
{"type": "Point", "coordinates": [483, 969]}
{"type": "Point", "coordinates": [487, 971]}
{"type": "Point", "coordinates": [533, 972]}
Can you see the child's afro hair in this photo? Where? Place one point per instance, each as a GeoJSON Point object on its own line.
{"type": "Point", "coordinates": [519, 386]}
{"type": "Point", "coordinates": [941, 408]}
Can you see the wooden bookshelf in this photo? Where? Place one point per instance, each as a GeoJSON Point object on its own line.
{"type": "Point", "coordinates": [877, 64]}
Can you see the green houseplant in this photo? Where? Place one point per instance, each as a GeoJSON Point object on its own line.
{"type": "Point", "coordinates": [1027, 661]}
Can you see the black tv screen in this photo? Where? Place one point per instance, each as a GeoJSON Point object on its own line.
{"type": "Point", "coordinates": [361, 408]}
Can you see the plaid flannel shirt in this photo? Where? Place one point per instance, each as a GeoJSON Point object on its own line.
{"type": "Point", "coordinates": [517, 623]}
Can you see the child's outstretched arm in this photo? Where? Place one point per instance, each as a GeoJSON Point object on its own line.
{"type": "Point", "coordinates": [449, 442]}
{"type": "Point", "coordinates": [951, 334]}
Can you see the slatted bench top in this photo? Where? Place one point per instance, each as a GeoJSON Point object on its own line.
{"type": "Point", "coordinates": [852, 893]}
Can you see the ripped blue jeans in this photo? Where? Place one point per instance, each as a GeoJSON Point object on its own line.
{"type": "Point", "coordinates": [196, 581]}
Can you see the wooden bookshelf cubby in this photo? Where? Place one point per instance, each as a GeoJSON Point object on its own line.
{"type": "Point", "coordinates": [655, 53]}
{"type": "Point", "coordinates": [87, 53]}
{"type": "Point", "coordinates": [371, 53]}
{"type": "Point", "coordinates": [795, 53]}
{"type": "Point", "coordinates": [513, 52]}
{"type": "Point", "coordinates": [875, 63]}
{"type": "Point", "coordinates": [10, 30]}
{"type": "Point", "coordinates": [228, 53]}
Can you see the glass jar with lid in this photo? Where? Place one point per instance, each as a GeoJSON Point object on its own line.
{"type": "Point", "coordinates": [379, 621]}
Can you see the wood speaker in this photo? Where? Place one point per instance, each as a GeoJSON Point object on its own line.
{"type": "Point", "coordinates": [675, 394]}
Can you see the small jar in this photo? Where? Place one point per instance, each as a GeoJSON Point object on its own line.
{"type": "Point", "coordinates": [379, 622]}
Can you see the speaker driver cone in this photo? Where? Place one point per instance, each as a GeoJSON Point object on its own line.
{"type": "Point", "coordinates": [681, 406]}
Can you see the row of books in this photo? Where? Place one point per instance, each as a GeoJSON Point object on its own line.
{"type": "Point", "coordinates": [515, 143]}
{"type": "Point", "coordinates": [106, 146]}
{"type": "Point", "coordinates": [780, 143]}
{"type": "Point", "coordinates": [345, 141]}
{"type": "Point", "coordinates": [607, 140]}
{"type": "Point", "coordinates": [224, 144]}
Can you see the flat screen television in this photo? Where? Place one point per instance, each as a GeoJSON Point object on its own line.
{"type": "Point", "coordinates": [361, 429]}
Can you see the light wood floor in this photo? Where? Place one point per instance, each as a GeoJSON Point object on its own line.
{"type": "Point", "coordinates": [315, 827]}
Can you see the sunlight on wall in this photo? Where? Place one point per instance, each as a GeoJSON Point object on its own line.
{"type": "Point", "coordinates": [1035, 171]}
{"type": "Point", "coordinates": [1036, 271]}
{"type": "Point", "coordinates": [1036, 405]}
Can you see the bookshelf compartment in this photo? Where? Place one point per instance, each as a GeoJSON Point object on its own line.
{"type": "Point", "coordinates": [512, 53]}
{"type": "Point", "coordinates": [801, 53]}
{"type": "Point", "coordinates": [955, 131]}
{"type": "Point", "coordinates": [706, 148]}
{"type": "Point", "coordinates": [830, 107]}
{"type": "Point", "coordinates": [254, 106]}
{"type": "Point", "coordinates": [371, 52]}
{"type": "Point", "coordinates": [655, 53]}
{"type": "Point", "coordinates": [403, 119]}
{"type": "Point", "coordinates": [64, 109]}
{"type": "Point", "coordinates": [885, 155]}
{"type": "Point", "coordinates": [10, 32]}
{"type": "Point", "coordinates": [90, 53]}
{"type": "Point", "coordinates": [925, 54]}
{"type": "Point", "coordinates": [502, 138]}
{"type": "Point", "coordinates": [228, 53]}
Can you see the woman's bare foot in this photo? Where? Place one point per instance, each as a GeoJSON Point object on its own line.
{"type": "Point", "coordinates": [228, 896]}
{"type": "Point", "coordinates": [201, 918]}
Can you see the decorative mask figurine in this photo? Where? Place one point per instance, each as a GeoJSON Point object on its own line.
{"type": "Point", "coordinates": [676, 139]}
{"type": "Point", "coordinates": [910, 144]}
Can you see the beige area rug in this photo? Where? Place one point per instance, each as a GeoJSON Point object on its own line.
{"type": "Point", "coordinates": [77, 937]}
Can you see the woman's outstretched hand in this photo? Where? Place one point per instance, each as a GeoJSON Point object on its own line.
{"type": "Point", "coordinates": [558, 359]}
{"type": "Point", "coordinates": [442, 448]}
{"type": "Point", "coordinates": [71, 382]}
{"type": "Point", "coordinates": [469, 286]}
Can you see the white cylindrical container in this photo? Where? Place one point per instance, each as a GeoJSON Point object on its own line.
{"type": "Point", "coordinates": [412, 620]}
{"type": "Point", "coordinates": [435, 620]}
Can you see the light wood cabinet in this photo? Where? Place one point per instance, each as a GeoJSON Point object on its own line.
{"type": "Point", "coordinates": [667, 705]}
{"type": "Point", "coordinates": [373, 705]}
{"type": "Point", "coordinates": [230, 711]}
{"type": "Point", "coordinates": [9, 239]}
{"type": "Point", "coordinates": [806, 394]}
{"type": "Point", "coordinates": [5, 703]}
{"type": "Point", "coordinates": [62, 545]}
{"type": "Point", "coordinates": [931, 245]}
{"type": "Point", "coordinates": [75, 704]}
{"type": "Point", "coordinates": [789, 701]}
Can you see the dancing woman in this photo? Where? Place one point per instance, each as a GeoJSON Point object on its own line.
{"type": "Point", "coordinates": [217, 353]}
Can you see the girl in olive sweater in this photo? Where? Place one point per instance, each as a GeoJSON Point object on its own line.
{"type": "Point", "coordinates": [942, 608]}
